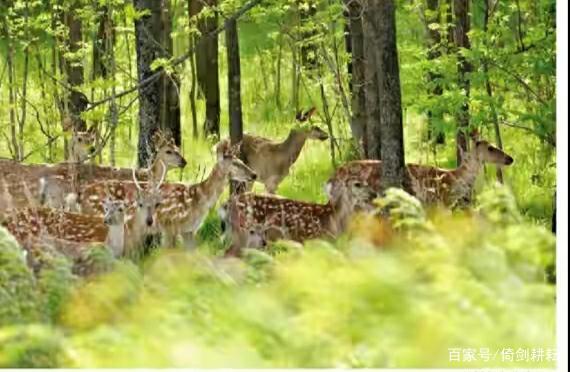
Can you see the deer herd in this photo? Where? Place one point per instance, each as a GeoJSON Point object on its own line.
{"type": "Point", "coordinates": [75, 204]}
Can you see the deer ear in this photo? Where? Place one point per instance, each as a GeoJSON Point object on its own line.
{"type": "Point", "coordinates": [310, 113]}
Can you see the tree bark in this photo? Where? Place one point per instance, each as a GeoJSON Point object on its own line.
{"type": "Point", "coordinates": [390, 98]}
{"type": "Point", "coordinates": [372, 148]}
{"type": "Point", "coordinates": [192, 42]}
{"type": "Point", "coordinates": [234, 90]}
{"type": "Point", "coordinates": [207, 66]}
{"type": "Point", "coordinates": [489, 89]}
{"type": "Point", "coordinates": [434, 52]}
{"type": "Point", "coordinates": [309, 48]}
{"type": "Point", "coordinates": [462, 25]}
{"type": "Point", "coordinates": [356, 69]}
{"type": "Point", "coordinates": [170, 84]}
{"type": "Point", "coordinates": [146, 27]}
{"type": "Point", "coordinates": [77, 101]}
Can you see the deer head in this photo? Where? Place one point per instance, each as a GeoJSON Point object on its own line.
{"type": "Point", "coordinates": [228, 160]}
{"type": "Point", "coordinates": [167, 151]}
{"type": "Point", "coordinates": [148, 200]}
{"type": "Point", "coordinates": [82, 144]}
{"type": "Point", "coordinates": [317, 133]}
{"type": "Point", "coordinates": [114, 212]}
{"type": "Point", "coordinates": [488, 153]}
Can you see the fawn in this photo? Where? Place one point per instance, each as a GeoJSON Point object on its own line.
{"type": "Point", "coordinates": [183, 207]}
{"type": "Point", "coordinates": [431, 185]}
{"type": "Point", "coordinates": [293, 219]}
{"type": "Point", "coordinates": [271, 160]}
{"type": "Point", "coordinates": [122, 228]}
{"type": "Point", "coordinates": [58, 192]}
{"type": "Point", "coordinates": [81, 147]}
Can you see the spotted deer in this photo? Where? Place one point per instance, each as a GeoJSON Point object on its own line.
{"type": "Point", "coordinates": [271, 160]}
{"type": "Point", "coordinates": [122, 227]}
{"type": "Point", "coordinates": [431, 185]}
{"type": "Point", "coordinates": [183, 207]}
{"type": "Point", "coordinates": [81, 147]}
{"type": "Point", "coordinates": [293, 219]}
{"type": "Point", "coordinates": [59, 192]}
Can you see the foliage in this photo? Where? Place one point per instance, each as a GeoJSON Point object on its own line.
{"type": "Point", "coordinates": [18, 295]}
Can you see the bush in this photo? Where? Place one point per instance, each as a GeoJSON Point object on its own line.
{"type": "Point", "coordinates": [18, 295]}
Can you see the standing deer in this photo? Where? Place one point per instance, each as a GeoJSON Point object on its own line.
{"type": "Point", "coordinates": [271, 160]}
{"type": "Point", "coordinates": [122, 228]}
{"type": "Point", "coordinates": [431, 185]}
{"type": "Point", "coordinates": [183, 207]}
{"type": "Point", "coordinates": [58, 186]}
{"type": "Point", "coordinates": [293, 219]}
{"type": "Point", "coordinates": [81, 147]}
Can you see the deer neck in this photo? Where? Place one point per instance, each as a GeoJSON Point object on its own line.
{"type": "Point", "coordinates": [466, 175]}
{"type": "Point", "coordinates": [213, 186]}
{"type": "Point", "coordinates": [341, 211]}
{"type": "Point", "coordinates": [116, 239]}
{"type": "Point", "coordinates": [293, 145]}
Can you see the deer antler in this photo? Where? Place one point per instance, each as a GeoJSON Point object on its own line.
{"type": "Point", "coordinates": [137, 184]}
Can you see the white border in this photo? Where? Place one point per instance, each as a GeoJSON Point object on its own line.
{"type": "Point", "coordinates": [562, 182]}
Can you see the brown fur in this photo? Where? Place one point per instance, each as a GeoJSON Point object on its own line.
{"type": "Point", "coordinates": [293, 219]}
{"type": "Point", "coordinates": [272, 160]}
{"type": "Point", "coordinates": [431, 185]}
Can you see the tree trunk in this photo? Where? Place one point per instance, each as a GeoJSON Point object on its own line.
{"type": "Point", "coordinates": [309, 48]}
{"type": "Point", "coordinates": [489, 89]}
{"type": "Point", "coordinates": [192, 12]}
{"type": "Point", "coordinates": [434, 52]}
{"type": "Point", "coordinates": [390, 98]}
{"type": "Point", "coordinates": [14, 150]}
{"type": "Point", "coordinates": [462, 25]}
{"type": "Point", "coordinates": [372, 148]}
{"type": "Point", "coordinates": [146, 27]}
{"type": "Point", "coordinates": [234, 89]}
{"type": "Point", "coordinates": [357, 67]}
{"type": "Point", "coordinates": [74, 69]}
{"type": "Point", "coordinates": [207, 67]}
{"type": "Point", "coordinates": [170, 84]}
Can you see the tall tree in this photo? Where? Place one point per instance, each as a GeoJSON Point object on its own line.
{"type": "Point", "coordinates": [462, 26]}
{"type": "Point", "coordinates": [73, 67]}
{"type": "Point", "coordinates": [390, 98]}
{"type": "Point", "coordinates": [147, 26]}
{"type": "Point", "coordinates": [387, 131]}
{"type": "Point", "coordinates": [371, 82]}
{"type": "Point", "coordinates": [355, 46]}
{"type": "Point", "coordinates": [234, 86]}
{"type": "Point", "coordinates": [434, 52]}
{"type": "Point", "coordinates": [207, 63]}
{"type": "Point", "coordinates": [170, 83]}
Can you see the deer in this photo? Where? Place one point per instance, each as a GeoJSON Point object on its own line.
{"type": "Point", "coordinates": [183, 207]}
{"type": "Point", "coordinates": [431, 185]}
{"type": "Point", "coordinates": [122, 227]}
{"type": "Point", "coordinates": [293, 219]}
{"type": "Point", "coordinates": [271, 160]}
{"type": "Point", "coordinates": [58, 192]}
{"type": "Point", "coordinates": [81, 147]}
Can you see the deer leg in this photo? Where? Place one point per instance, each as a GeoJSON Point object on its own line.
{"type": "Point", "coordinates": [189, 240]}
{"type": "Point", "coordinates": [169, 240]}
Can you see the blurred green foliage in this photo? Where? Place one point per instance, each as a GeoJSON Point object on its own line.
{"type": "Point", "coordinates": [466, 282]}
